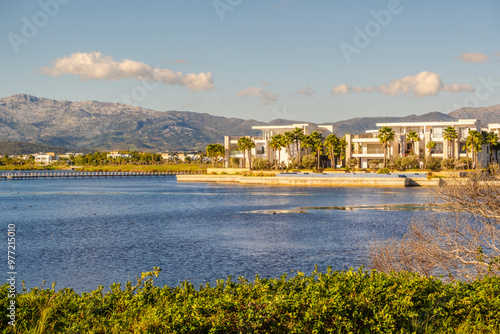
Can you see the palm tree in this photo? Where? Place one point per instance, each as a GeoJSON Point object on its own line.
{"type": "Point", "coordinates": [331, 143]}
{"type": "Point", "coordinates": [430, 145]}
{"type": "Point", "coordinates": [246, 144]}
{"type": "Point", "coordinates": [492, 139]}
{"type": "Point", "coordinates": [297, 135]}
{"type": "Point", "coordinates": [474, 141]}
{"type": "Point", "coordinates": [386, 135]}
{"type": "Point", "coordinates": [413, 137]}
{"type": "Point", "coordinates": [288, 139]}
{"type": "Point", "coordinates": [315, 142]}
{"type": "Point", "coordinates": [276, 144]}
{"type": "Point", "coordinates": [449, 134]}
{"type": "Point", "coordinates": [317, 145]}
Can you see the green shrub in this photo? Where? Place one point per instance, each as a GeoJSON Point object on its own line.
{"type": "Point", "coordinates": [260, 164]}
{"type": "Point", "coordinates": [338, 302]}
{"type": "Point", "coordinates": [434, 164]}
{"type": "Point", "coordinates": [309, 161]}
{"type": "Point", "coordinates": [448, 163]}
{"type": "Point", "coordinates": [383, 171]}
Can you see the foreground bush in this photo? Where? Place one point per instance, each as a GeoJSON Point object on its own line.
{"type": "Point", "coordinates": [367, 302]}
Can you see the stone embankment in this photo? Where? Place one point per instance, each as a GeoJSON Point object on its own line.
{"type": "Point", "coordinates": [313, 180]}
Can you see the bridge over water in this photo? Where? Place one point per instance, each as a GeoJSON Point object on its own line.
{"type": "Point", "coordinates": [72, 174]}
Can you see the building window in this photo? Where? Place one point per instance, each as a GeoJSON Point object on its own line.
{"type": "Point", "coordinates": [438, 149]}
{"type": "Point", "coordinates": [437, 132]}
{"type": "Point", "coordinates": [463, 132]}
{"type": "Point", "coordinates": [462, 148]}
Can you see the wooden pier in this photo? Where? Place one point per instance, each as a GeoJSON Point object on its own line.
{"type": "Point", "coordinates": [72, 175]}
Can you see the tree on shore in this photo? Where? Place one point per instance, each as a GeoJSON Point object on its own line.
{"type": "Point", "coordinates": [412, 137]}
{"type": "Point", "coordinates": [474, 142]}
{"type": "Point", "coordinates": [214, 151]}
{"type": "Point", "coordinates": [492, 139]}
{"type": "Point", "coordinates": [450, 134]}
{"type": "Point", "coordinates": [331, 143]}
{"type": "Point", "coordinates": [430, 145]}
{"type": "Point", "coordinates": [276, 144]}
{"type": "Point", "coordinates": [297, 135]}
{"type": "Point", "coordinates": [386, 135]}
{"type": "Point", "coordinates": [245, 144]}
{"type": "Point", "coordinates": [314, 142]}
{"type": "Point", "coordinates": [289, 139]}
{"type": "Point", "coordinates": [460, 242]}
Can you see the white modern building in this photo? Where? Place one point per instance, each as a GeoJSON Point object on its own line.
{"type": "Point", "coordinates": [262, 148]}
{"type": "Point", "coordinates": [368, 147]}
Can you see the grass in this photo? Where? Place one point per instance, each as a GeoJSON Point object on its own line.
{"type": "Point", "coordinates": [119, 168]}
{"type": "Point", "coordinates": [146, 168]}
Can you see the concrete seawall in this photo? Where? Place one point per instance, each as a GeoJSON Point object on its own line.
{"type": "Point", "coordinates": [313, 181]}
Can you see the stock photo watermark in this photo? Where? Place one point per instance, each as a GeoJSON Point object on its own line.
{"type": "Point", "coordinates": [31, 26]}
{"type": "Point", "coordinates": [283, 114]}
{"type": "Point", "coordinates": [486, 88]}
{"type": "Point", "coordinates": [11, 273]}
{"type": "Point", "coordinates": [223, 6]}
{"type": "Point", "coordinates": [373, 28]}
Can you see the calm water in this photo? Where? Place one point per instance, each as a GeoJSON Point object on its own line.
{"type": "Point", "coordinates": [84, 233]}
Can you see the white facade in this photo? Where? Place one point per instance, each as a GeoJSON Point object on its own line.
{"type": "Point", "coordinates": [367, 146]}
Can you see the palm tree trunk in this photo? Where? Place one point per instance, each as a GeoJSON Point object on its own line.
{"type": "Point", "coordinates": [279, 157]}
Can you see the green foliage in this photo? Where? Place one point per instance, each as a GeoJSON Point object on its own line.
{"type": "Point", "coordinates": [309, 161]}
{"type": "Point", "coordinates": [409, 162]}
{"type": "Point", "coordinates": [338, 302]}
{"type": "Point", "coordinates": [434, 164]}
{"type": "Point", "coordinates": [383, 171]}
{"type": "Point", "coordinates": [260, 164]}
{"type": "Point", "coordinates": [448, 163]}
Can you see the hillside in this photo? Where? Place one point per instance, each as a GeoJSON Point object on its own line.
{"type": "Point", "coordinates": [111, 125]}
{"type": "Point", "coordinates": [489, 114]}
{"type": "Point", "coordinates": [107, 126]}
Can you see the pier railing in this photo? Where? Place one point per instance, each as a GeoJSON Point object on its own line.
{"type": "Point", "coordinates": [71, 174]}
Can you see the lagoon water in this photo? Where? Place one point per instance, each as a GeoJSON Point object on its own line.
{"type": "Point", "coordinates": [83, 233]}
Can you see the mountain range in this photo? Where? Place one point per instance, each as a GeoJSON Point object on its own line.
{"type": "Point", "coordinates": [115, 126]}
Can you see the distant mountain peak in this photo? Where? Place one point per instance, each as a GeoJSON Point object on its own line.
{"type": "Point", "coordinates": [22, 98]}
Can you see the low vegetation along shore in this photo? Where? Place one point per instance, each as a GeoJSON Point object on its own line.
{"type": "Point", "coordinates": [336, 302]}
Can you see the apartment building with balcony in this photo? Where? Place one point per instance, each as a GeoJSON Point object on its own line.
{"type": "Point", "coordinates": [262, 148]}
{"type": "Point", "coordinates": [367, 146]}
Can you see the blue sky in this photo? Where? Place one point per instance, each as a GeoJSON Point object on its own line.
{"type": "Point", "coordinates": [318, 61]}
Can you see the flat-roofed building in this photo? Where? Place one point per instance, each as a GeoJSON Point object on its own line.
{"type": "Point", "coordinates": [367, 146]}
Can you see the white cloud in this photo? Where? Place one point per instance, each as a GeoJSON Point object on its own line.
{"type": "Point", "coordinates": [497, 54]}
{"type": "Point", "coordinates": [473, 57]}
{"type": "Point", "coordinates": [423, 84]}
{"type": "Point", "coordinates": [96, 66]}
{"type": "Point", "coordinates": [308, 91]}
{"type": "Point", "coordinates": [265, 97]}
{"type": "Point", "coordinates": [265, 83]}
{"type": "Point", "coordinates": [457, 88]}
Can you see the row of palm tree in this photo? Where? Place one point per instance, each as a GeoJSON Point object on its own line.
{"type": "Point", "coordinates": [294, 141]}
